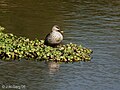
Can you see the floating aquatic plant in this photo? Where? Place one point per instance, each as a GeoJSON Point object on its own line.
{"type": "Point", "coordinates": [16, 48]}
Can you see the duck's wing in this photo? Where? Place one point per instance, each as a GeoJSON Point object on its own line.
{"type": "Point", "coordinates": [46, 39]}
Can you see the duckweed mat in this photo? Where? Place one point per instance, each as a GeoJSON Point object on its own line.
{"type": "Point", "coordinates": [17, 48]}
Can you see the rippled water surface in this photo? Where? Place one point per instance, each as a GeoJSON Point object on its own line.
{"type": "Point", "coordinates": [92, 23]}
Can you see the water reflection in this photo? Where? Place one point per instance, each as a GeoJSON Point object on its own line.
{"type": "Point", "coordinates": [53, 67]}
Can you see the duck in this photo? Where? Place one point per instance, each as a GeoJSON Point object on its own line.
{"type": "Point", "coordinates": [55, 37]}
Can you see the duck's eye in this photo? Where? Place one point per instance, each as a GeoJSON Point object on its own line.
{"type": "Point", "coordinates": [57, 27]}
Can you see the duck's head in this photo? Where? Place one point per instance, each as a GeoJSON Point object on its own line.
{"type": "Point", "coordinates": [56, 28]}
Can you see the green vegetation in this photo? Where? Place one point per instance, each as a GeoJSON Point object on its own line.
{"type": "Point", "coordinates": [17, 48]}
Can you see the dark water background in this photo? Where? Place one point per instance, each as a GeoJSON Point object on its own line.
{"type": "Point", "coordinates": [92, 23]}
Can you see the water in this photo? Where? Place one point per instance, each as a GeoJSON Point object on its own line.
{"type": "Point", "coordinates": [91, 23]}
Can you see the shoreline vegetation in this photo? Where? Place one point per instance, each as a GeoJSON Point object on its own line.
{"type": "Point", "coordinates": [13, 47]}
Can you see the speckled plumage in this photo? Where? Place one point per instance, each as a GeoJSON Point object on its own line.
{"type": "Point", "coordinates": [55, 37]}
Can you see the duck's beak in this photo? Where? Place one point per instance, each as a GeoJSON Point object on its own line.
{"type": "Point", "coordinates": [62, 32]}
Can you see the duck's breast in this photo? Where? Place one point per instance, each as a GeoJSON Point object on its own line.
{"type": "Point", "coordinates": [56, 37]}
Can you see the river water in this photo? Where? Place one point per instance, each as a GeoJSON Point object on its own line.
{"type": "Point", "coordinates": [92, 23]}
